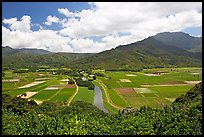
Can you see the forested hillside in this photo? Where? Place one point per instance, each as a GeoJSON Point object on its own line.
{"type": "Point", "coordinates": [23, 117]}
{"type": "Point", "coordinates": [181, 40]}
{"type": "Point", "coordinates": [153, 52]}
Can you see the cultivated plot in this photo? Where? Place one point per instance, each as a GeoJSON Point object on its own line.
{"type": "Point", "coordinates": [84, 94]}
{"type": "Point", "coordinates": [63, 95]}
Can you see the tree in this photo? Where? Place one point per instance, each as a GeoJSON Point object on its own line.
{"type": "Point", "coordinates": [71, 81]}
{"type": "Point", "coordinates": [94, 77]}
{"type": "Point", "coordinates": [32, 103]}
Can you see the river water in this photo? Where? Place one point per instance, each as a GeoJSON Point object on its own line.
{"type": "Point", "coordinates": [98, 99]}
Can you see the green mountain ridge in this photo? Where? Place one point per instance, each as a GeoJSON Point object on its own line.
{"type": "Point", "coordinates": [147, 53]}
{"type": "Point", "coordinates": [181, 40]}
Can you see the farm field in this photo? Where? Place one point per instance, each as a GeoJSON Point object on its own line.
{"type": "Point", "coordinates": [37, 86]}
{"type": "Point", "coordinates": [63, 95]}
{"type": "Point", "coordinates": [84, 94]}
{"type": "Point", "coordinates": [150, 87]}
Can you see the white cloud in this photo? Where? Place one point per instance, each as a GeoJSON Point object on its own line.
{"type": "Point", "coordinates": [51, 19]}
{"type": "Point", "coordinates": [67, 13]}
{"type": "Point", "coordinates": [23, 25]}
{"type": "Point", "coordinates": [107, 20]}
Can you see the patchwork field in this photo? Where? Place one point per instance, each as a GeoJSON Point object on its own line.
{"type": "Point", "coordinates": [38, 87]}
{"type": "Point", "coordinates": [151, 87]}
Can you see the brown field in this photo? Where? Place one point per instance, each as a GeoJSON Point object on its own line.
{"type": "Point", "coordinates": [125, 90]}
{"type": "Point", "coordinates": [70, 86]}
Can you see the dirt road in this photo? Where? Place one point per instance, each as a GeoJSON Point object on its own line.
{"type": "Point", "coordinates": [77, 89]}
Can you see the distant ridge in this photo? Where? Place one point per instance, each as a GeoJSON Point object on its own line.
{"type": "Point", "coordinates": [181, 40]}
{"type": "Point", "coordinates": [147, 53]}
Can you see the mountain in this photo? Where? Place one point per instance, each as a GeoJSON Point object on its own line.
{"type": "Point", "coordinates": [10, 51]}
{"type": "Point", "coordinates": [181, 40]}
{"type": "Point", "coordinates": [36, 57]}
{"type": "Point", "coordinates": [147, 53]}
{"type": "Point", "coordinates": [34, 51]}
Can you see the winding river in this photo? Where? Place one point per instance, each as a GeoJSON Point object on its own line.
{"type": "Point", "coordinates": [98, 99]}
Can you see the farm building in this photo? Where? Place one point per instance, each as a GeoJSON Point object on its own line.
{"type": "Point", "coordinates": [91, 76]}
{"type": "Point", "coordinates": [83, 79]}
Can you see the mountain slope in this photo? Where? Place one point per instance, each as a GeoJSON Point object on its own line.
{"type": "Point", "coordinates": [10, 51]}
{"type": "Point", "coordinates": [181, 40]}
{"type": "Point", "coordinates": [17, 58]}
{"type": "Point", "coordinates": [147, 53]}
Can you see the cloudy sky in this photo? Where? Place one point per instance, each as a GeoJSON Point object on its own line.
{"type": "Point", "coordinates": [83, 27]}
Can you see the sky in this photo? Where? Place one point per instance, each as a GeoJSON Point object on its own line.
{"type": "Point", "coordinates": [92, 27]}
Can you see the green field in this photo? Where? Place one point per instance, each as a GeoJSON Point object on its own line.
{"type": "Point", "coordinates": [27, 78]}
{"type": "Point", "coordinates": [161, 94]}
{"type": "Point", "coordinates": [162, 89]}
{"type": "Point", "coordinates": [63, 95]}
{"type": "Point", "coordinates": [44, 95]}
{"type": "Point", "coordinates": [84, 95]}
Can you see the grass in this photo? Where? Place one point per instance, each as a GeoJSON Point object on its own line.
{"type": "Point", "coordinates": [63, 95]}
{"type": "Point", "coordinates": [171, 91]}
{"type": "Point", "coordinates": [154, 102]}
{"type": "Point", "coordinates": [44, 95]}
{"type": "Point", "coordinates": [117, 98]}
{"type": "Point", "coordinates": [174, 75]}
{"type": "Point", "coordinates": [84, 94]}
{"type": "Point", "coordinates": [112, 80]}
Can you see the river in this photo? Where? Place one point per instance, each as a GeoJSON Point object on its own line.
{"type": "Point", "coordinates": [98, 99]}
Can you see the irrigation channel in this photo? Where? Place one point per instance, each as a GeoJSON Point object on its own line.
{"type": "Point", "coordinates": [98, 99]}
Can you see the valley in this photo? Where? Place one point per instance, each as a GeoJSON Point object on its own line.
{"type": "Point", "coordinates": [120, 89]}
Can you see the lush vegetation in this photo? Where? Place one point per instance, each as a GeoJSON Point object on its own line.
{"type": "Point", "coordinates": [23, 117]}
{"type": "Point", "coordinates": [153, 52]}
{"type": "Point", "coordinates": [84, 83]}
{"type": "Point", "coordinates": [161, 89]}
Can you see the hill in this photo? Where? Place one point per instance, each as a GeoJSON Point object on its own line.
{"type": "Point", "coordinates": [23, 117]}
{"type": "Point", "coordinates": [10, 51]}
{"type": "Point", "coordinates": [37, 57]}
{"type": "Point", "coordinates": [181, 40]}
{"type": "Point", "coordinates": [147, 53]}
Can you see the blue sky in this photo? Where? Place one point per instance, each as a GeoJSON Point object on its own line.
{"type": "Point", "coordinates": [94, 27]}
{"type": "Point", "coordinates": [39, 10]}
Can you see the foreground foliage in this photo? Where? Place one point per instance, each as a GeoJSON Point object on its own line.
{"type": "Point", "coordinates": [23, 117]}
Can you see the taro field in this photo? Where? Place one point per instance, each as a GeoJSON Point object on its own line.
{"type": "Point", "coordinates": [150, 87]}
{"type": "Point", "coordinates": [38, 86]}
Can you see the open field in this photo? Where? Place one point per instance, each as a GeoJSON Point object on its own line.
{"type": "Point", "coordinates": [124, 89]}
{"type": "Point", "coordinates": [84, 95]}
{"type": "Point", "coordinates": [63, 95]}
{"type": "Point", "coordinates": [153, 87]}
{"type": "Point", "coordinates": [44, 94]}
{"type": "Point", "coordinates": [37, 86]}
